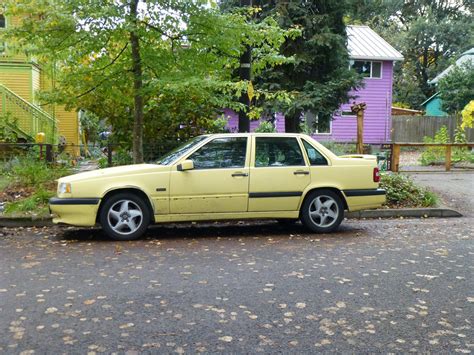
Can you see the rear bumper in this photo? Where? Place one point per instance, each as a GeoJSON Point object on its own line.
{"type": "Point", "coordinates": [74, 211]}
{"type": "Point", "coordinates": [363, 199]}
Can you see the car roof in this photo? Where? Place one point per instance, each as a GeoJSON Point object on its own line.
{"type": "Point", "coordinates": [256, 134]}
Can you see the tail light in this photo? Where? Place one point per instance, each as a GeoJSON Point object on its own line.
{"type": "Point", "coordinates": [376, 175]}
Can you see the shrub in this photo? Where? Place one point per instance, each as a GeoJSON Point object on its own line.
{"type": "Point", "coordinates": [436, 155]}
{"type": "Point", "coordinates": [28, 171]}
{"type": "Point", "coordinates": [340, 148]}
{"type": "Point", "coordinates": [265, 127]}
{"type": "Point", "coordinates": [403, 192]}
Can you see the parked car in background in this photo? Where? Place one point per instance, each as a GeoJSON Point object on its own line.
{"type": "Point", "coordinates": [223, 177]}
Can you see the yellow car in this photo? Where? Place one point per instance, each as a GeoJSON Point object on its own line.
{"type": "Point", "coordinates": [222, 177]}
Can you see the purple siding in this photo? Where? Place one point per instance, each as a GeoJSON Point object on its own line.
{"type": "Point", "coordinates": [377, 94]}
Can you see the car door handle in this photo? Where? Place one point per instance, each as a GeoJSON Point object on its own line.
{"type": "Point", "coordinates": [301, 172]}
{"type": "Point", "coordinates": [240, 174]}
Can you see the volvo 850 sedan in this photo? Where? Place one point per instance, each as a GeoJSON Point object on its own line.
{"type": "Point", "coordinates": [222, 177]}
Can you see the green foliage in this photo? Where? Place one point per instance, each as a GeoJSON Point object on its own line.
{"type": "Point", "coordinates": [188, 51]}
{"type": "Point", "coordinates": [29, 171]}
{"type": "Point", "coordinates": [265, 127]}
{"type": "Point", "coordinates": [37, 203]}
{"type": "Point", "coordinates": [436, 155]}
{"type": "Point", "coordinates": [456, 89]}
{"type": "Point", "coordinates": [403, 192]}
{"type": "Point", "coordinates": [429, 34]}
{"type": "Point", "coordinates": [319, 77]}
{"type": "Point", "coordinates": [91, 126]}
{"type": "Point", "coordinates": [340, 148]}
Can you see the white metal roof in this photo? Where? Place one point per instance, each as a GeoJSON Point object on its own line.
{"type": "Point", "coordinates": [365, 43]}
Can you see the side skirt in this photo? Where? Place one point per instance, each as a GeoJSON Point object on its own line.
{"type": "Point", "coordinates": [225, 216]}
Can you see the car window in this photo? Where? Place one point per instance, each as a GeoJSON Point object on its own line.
{"type": "Point", "coordinates": [221, 153]}
{"type": "Point", "coordinates": [278, 151]}
{"type": "Point", "coordinates": [315, 157]}
{"type": "Point", "coordinates": [180, 151]}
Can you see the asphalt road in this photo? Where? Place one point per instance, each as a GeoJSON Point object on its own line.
{"type": "Point", "coordinates": [402, 285]}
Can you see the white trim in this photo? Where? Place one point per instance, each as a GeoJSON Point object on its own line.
{"type": "Point", "coordinates": [330, 127]}
{"type": "Point", "coordinates": [352, 62]}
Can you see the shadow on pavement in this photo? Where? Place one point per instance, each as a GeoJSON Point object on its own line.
{"type": "Point", "coordinates": [177, 231]}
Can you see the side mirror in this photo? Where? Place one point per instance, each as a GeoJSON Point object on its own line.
{"type": "Point", "coordinates": [185, 165]}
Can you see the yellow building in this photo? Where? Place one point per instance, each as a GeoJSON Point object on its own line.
{"type": "Point", "coordinates": [21, 78]}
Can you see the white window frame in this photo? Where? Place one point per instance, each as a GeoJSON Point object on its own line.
{"type": "Point", "coordinates": [330, 127]}
{"type": "Point", "coordinates": [371, 67]}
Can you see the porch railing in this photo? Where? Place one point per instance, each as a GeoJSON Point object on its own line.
{"type": "Point", "coordinates": [26, 118]}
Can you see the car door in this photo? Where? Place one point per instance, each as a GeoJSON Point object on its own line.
{"type": "Point", "coordinates": [219, 181]}
{"type": "Point", "coordinates": [278, 174]}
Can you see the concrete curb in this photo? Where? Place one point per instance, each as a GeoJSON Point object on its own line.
{"type": "Point", "coordinates": [13, 222]}
{"type": "Point", "coordinates": [405, 212]}
{"type": "Point", "coordinates": [28, 221]}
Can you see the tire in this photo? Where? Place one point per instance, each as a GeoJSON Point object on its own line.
{"type": "Point", "coordinates": [322, 211]}
{"type": "Point", "coordinates": [124, 216]}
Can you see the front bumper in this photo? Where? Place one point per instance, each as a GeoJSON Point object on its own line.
{"type": "Point", "coordinates": [74, 211]}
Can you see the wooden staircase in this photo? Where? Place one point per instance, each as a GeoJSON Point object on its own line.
{"type": "Point", "coordinates": [24, 118]}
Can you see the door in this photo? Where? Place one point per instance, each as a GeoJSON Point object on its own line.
{"type": "Point", "coordinates": [219, 181]}
{"type": "Point", "coordinates": [278, 175]}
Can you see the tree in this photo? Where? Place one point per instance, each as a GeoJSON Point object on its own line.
{"type": "Point", "coordinates": [319, 77]}
{"type": "Point", "coordinates": [456, 89]}
{"type": "Point", "coordinates": [116, 59]}
{"type": "Point", "coordinates": [427, 32]}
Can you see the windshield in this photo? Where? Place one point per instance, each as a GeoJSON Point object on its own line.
{"type": "Point", "coordinates": [180, 151]}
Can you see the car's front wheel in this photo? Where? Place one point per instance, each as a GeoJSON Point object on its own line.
{"type": "Point", "coordinates": [322, 211]}
{"type": "Point", "coordinates": [124, 216]}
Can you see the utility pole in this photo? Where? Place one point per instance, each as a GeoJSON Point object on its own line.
{"type": "Point", "coordinates": [245, 74]}
{"type": "Point", "coordinates": [359, 109]}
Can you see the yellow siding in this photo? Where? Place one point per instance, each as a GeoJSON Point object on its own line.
{"type": "Point", "coordinates": [17, 80]}
{"type": "Point", "coordinates": [35, 81]}
{"type": "Point", "coordinates": [68, 126]}
{"type": "Point", "coordinates": [9, 55]}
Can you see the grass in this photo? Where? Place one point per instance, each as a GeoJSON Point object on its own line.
{"type": "Point", "coordinates": [27, 184]}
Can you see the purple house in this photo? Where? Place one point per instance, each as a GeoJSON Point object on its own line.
{"type": "Point", "coordinates": [373, 57]}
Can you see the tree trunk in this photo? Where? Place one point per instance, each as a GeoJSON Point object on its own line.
{"type": "Point", "coordinates": [137, 87]}
{"type": "Point", "coordinates": [245, 74]}
{"type": "Point", "coordinates": [292, 123]}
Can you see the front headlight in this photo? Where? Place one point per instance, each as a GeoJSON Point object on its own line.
{"type": "Point", "coordinates": [64, 188]}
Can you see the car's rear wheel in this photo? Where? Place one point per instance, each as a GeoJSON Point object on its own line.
{"type": "Point", "coordinates": [322, 211]}
{"type": "Point", "coordinates": [124, 216]}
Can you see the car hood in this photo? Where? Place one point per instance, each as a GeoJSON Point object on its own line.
{"type": "Point", "coordinates": [115, 172]}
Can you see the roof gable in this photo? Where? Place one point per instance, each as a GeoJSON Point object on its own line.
{"type": "Point", "coordinates": [365, 43]}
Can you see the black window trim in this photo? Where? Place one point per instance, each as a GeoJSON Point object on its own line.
{"type": "Point", "coordinates": [280, 166]}
{"type": "Point", "coordinates": [320, 152]}
{"type": "Point", "coordinates": [246, 163]}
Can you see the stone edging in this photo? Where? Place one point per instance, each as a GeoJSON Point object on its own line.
{"type": "Point", "coordinates": [382, 213]}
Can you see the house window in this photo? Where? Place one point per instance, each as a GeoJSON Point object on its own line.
{"type": "Point", "coordinates": [368, 69]}
{"type": "Point", "coordinates": [320, 123]}
{"type": "Point", "coordinates": [348, 113]}
{"type": "Point", "coordinates": [3, 22]}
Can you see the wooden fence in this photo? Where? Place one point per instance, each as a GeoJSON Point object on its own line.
{"type": "Point", "coordinates": [414, 128]}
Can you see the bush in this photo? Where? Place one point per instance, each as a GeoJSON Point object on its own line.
{"type": "Point", "coordinates": [403, 192]}
{"type": "Point", "coordinates": [436, 155]}
{"type": "Point", "coordinates": [265, 127]}
{"type": "Point", "coordinates": [28, 171]}
{"type": "Point", "coordinates": [340, 148]}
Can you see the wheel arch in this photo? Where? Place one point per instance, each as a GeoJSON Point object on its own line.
{"type": "Point", "coordinates": [330, 188]}
{"type": "Point", "coordinates": [129, 189]}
